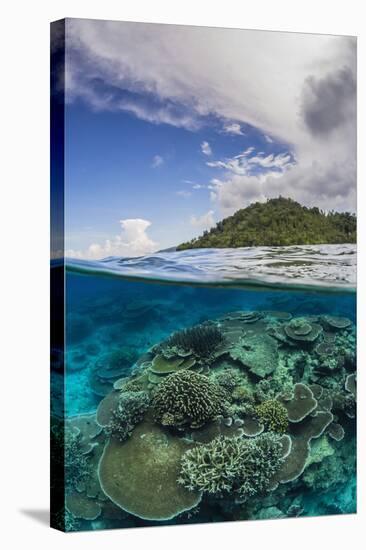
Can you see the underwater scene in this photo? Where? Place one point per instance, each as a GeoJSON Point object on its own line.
{"type": "Point", "coordinates": [207, 386]}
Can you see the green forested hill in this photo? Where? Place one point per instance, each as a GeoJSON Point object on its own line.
{"type": "Point", "coordinates": [278, 222]}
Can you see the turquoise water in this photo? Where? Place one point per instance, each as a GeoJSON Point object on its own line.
{"type": "Point", "coordinates": [116, 314]}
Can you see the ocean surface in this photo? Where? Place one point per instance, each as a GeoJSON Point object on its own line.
{"type": "Point", "coordinates": [123, 307]}
{"type": "Point", "coordinates": [325, 266]}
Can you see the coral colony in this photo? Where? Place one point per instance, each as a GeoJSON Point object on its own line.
{"type": "Point", "coordinates": [235, 417]}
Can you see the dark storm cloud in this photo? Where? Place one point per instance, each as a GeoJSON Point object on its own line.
{"type": "Point", "coordinates": [329, 102]}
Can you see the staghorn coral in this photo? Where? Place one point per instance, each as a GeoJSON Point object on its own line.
{"type": "Point", "coordinates": [201, 340]}
{"type": "Point", "coordinates": [187, 399]}
{"type": "Point", "coordinates": [262, 457]}
{"type": "Point", "coordinates": [273, 415]}
{"type": "Point", "coordinates": [242, 466]}
{"type": "Point", "coordinates": [213, 467]}
{"type": "Point", "coordinates": [130, 409]}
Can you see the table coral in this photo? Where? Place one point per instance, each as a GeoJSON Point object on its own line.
{"type": "Point", "coordinates": [257, 352]}
{"type": "Point", "coordinates": [302, 330]}
{"type": "Point", "coordinates": [140, 475]}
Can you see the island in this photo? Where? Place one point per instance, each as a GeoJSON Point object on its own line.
{"type": "Point", "coordinates": [278, 222]}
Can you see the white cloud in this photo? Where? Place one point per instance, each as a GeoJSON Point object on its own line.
{"type": "Point", "coordinates": [306, 99]}
{"type": "Point", "coordinates": [242, 164]}
{"type": "Point", "coordinates": [303, 183]}
{"type": "Point", "coordinates": [184, 194]}
{"type": "Point", "coordinates": [271, 161]}
{"type": "Point", "coordinates": [157, 161]}
{"type": "Point", "coordinates": [206, 221]}
{"type": "Point", "coordinates": [233, 128]}
{"type": "Point", "coordinates": [206, 148]}
{"type": "Point", "coordinates": [133, 241]}
{"type": "Point", "coordinates": [247, 152]}
{"type": "Point", "coordinates": [268, 138]}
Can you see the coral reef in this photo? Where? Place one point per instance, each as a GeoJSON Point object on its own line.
{"type": "Point", "coordinates": [187, 399]}
{"type": "Point", "coordinates": [228, 378]}
{"type": "Point", "coordinates": [76, 461]}
{"type": "Point", "coordinates": [163, 365]}
{"type": "Point", "coordinates": [336, 323]}
{"type": "Point", "coordinates": [129, 411]}
{"type": "Point", "coordinates": [301, 404]}
{"type": "Point", "coordinates": [301, 435]}
{"type": "Point", "coordinates": [257, 352]}
{"type": "Point", "coordinates": [350, 384]}
{"type": "Point", "coordinates": [213, 467]}
{"type": "Point", "coordinates": [262, 457]}
{"type": "Point", "coordinates": [201, 340]}
{"type": "Point", "coordinates": [273, 415]}
{"type": "Point", "coordinates": [140, 474]}
{"type": "Point", "coordinates": [245, 466]}
{"type": "Point", "coordinates": [302, 330]}
{"type": "Point", "coordinates": [247, 410]}
{"type": "Point", "coordinates": [82, 507]}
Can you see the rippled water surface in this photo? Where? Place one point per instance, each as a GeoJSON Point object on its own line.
{"type": "Point", "coordinates": [330, 266]}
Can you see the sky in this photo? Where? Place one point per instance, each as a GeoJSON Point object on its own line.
{"type": "Point", "coordinates": [171, 128]}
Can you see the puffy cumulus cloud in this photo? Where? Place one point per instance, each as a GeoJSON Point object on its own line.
{"type": "Point", "coordinates": [296, 88]}
{"type": "Point", "coordinates": [157, 161]}
{"type": "Point", "coordinates": [133, 241]}
{"type": "Point", "coordinates": [206, 148]}
{"type": "Point", "coordinates": [312, 184]}
{"type": "Point", "coordinates": [206, 221]}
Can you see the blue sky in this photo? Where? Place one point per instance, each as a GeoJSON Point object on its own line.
{"type": "Point", "coordinates": [119, 166]}
{"type": "Point", "coordinates": [164, 139]}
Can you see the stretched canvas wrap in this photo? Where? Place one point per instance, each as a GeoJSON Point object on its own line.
{"type": "Point", "coordinates": [203, 316]}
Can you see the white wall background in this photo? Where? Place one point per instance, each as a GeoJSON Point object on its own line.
{"type": "Point", "coordinates": [24, 199]}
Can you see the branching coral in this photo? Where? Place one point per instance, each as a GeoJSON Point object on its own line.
{"type": "Point", "coordinates": [76, 462]}
{"type": "Point", "coordinates": [228, 378]}
{"type": "Point", "coordinates": [212, 468]}
{"type": "Point", "coordinates": [262, 457]}
{"type": "Point", "coordinates": [243, 466]}
{"type": "Point", "coordinates": [273, 415]}
{"type": "Point", "coordinates": [201, 340]}
{"type": "Point", "coordinates": [187, 399]}
{"type": "Point", "coordinates": [130, 410]}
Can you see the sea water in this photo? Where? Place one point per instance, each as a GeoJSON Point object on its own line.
{"type": "Point", "coordinates": [129, 305]}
